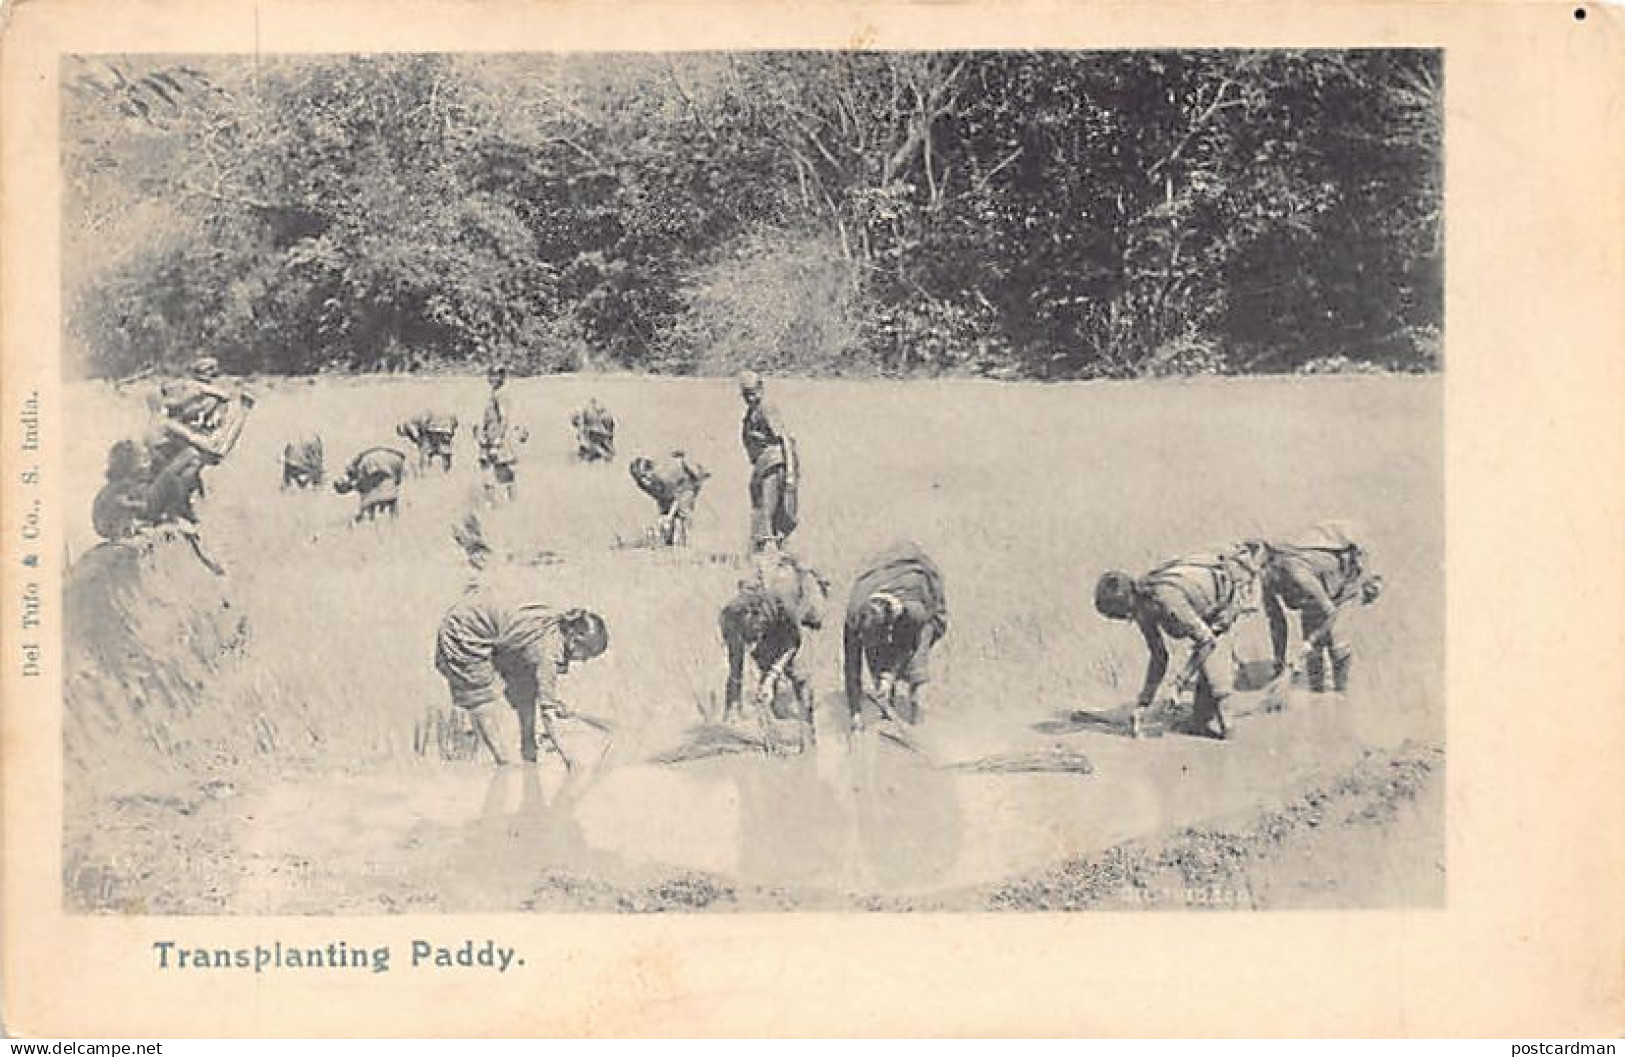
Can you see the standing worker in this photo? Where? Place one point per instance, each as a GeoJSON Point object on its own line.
{"type": "Point", "coordinates": [674, 484]}
{"type": "Point", "coordinates": [498, 439]}
{"type": "Point", "coordinates": [1317, 573]}
{"type": "Point", "coordinates": [486, 637]}
{"type": "Point", "coordinates": [774, 473]}
{"type": "Point", "coordinates": [1197, 598]}
{"type": "Point", "coordinates": [897, 613]}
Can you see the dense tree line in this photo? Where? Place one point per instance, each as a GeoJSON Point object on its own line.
{"type": "Point", "coordinates": [1015, 214]}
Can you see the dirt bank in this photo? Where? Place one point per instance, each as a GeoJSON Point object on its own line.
{"type": "Point", "coordinates": [1371, 837]}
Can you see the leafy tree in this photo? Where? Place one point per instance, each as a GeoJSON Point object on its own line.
{"type": "Point", "coordinates": [1040, 214]}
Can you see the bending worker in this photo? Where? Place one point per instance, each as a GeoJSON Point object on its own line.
{"type": "Point", "coordinates": [302, 463]}
{"type": "Point", "coordinates": [432, 433]}
{"type": "Point", "coordinates": [375, 475]}
{"type": "Point", "coordinates": [1196, 598]}
{"type": "Point", "coordinates": [595, 432]}
{"type": "Point", "coordinates": [897, 612]}
{"type": "Point", "coordinates": [674, 484]}
{"type": "Point", "coordinates": [765, 619]}
{"type": "Point", "coordinates": [486, 638]}
{"type": "Point", "coordinates": [1317, 573]}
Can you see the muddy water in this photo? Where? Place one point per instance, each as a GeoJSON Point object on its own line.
{"type": "Point", "coordinates": [848, 817]}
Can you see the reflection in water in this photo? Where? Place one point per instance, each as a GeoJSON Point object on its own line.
{"type": "Point", "coordinates": [861, 817]}
{"type": "Point", "coordinates": [661, 816]}
{"type": "Point", "coordinates": [791, 828]}
{"type": "Point", "coordinates": [533, 819]}
{"type": "Point", "coordinates": [520, 833]}
{"type": "Point", "coordinates": [907, 816]}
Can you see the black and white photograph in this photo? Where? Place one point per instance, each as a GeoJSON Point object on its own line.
{"type": "Point", "coordinates": [908, 520]}
{"type": "Point", "coordinates": [753, 481]}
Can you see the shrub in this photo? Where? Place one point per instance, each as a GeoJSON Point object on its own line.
{"type": "Point", "coordinates": [778, 301]}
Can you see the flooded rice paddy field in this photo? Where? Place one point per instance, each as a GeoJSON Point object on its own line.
{"type": "Point", "coordinates": [262, 723]}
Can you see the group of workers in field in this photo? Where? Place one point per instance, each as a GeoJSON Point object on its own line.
{"type": "Point", "coordinates": [897, 609]}
{"type": "Point", "coordinates": [1200, 597]}
{"type": "Point", "coordinates": [376, 474]}
{"type": "Point", "coordinates": [494, 648]}
{"type": "Point", "coordinates": [489, 639]}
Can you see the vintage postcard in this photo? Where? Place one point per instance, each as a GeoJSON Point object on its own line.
{"type": "Point", "coordinates": [834, 519]}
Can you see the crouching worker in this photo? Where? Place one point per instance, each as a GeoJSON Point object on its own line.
{"type": "Point", "coordinates": [122, 506]}
{"type": "Point", "coordinates": [135, 500]}
{"type": "Point", "coordinates": [375, 476]}
{"type": "Point", "coordinates": [765, 619]}
{"type": "Point", "coordinates": [432, 434]}
{"type": "Point", "coordinates": [1198, 599]}
{"type": "Point", "coordinates": [897, 612]}
{"type": "Point", "coordinates": [485, 639]}
{"type": "Point", "coordinates": [674, 484]}
{"type": "Point", "coordinates": [1317, 573]}
{"type": "Point", "coordinates": [140, 494]}
{"type": "Point", "coordinates": [302, 463]}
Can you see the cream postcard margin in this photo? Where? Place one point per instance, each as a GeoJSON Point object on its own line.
{"type": "Point", "coordinates": [1532, 941]}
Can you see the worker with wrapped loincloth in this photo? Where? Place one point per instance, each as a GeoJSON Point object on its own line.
{"type": "Point", "coordinates": [375, 475]}
{"type": "Point", "coordinates": [775, 473]}
{"type": "Point", "coordinates": [595, 432]}
{"type": "Point", "coordinates": [897, 612]}
{"type": "Point", "coordinates": [303, 463]}
{"type": "Point", "coordinates": [765, 619]}
{"type": "Point", "coordinates": [1317, 573]}
{"type": "Point", "coordinates": [674, 483]}
{"type": "Point", "coordinates": [1198, 599]}
{"type": "Point", "coordinates": [432, 433]}
{"type": "Point", "coordinates": [488, 638]}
